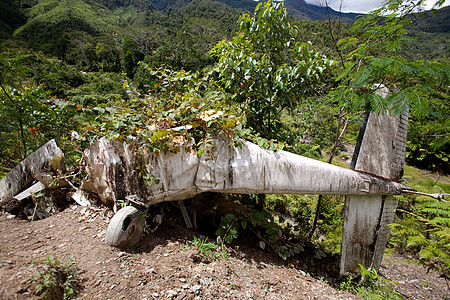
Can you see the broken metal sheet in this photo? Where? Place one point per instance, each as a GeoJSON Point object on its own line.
{"type": "Point", "coordinates": [387, 216]}
{"type": "Point", "coordinates": [22, 174]}
{"type": "Point", "coordinates": [114, 172]}
{"type": "Point", "coordinates": [35, 188]}
{"type": "Point", "coordinates": [81, 197]}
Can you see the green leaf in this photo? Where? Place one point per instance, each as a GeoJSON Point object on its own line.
{"type": "Point", "coordinates": [244, 224]}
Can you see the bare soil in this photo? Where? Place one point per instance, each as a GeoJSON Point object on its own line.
{"type": "Point", "coordinates": [162, 266]}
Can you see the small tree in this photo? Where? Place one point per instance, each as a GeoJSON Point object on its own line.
{"type": "Point", "coordinates": [266, 70]}
{"type": "Point", "coordinates": [29, 115]}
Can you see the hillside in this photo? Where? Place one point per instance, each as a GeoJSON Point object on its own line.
{"type": "Point", "coordinates": [71, 30]}
{"type": "Point", "coordinates": [432, 36]}
{"type": "Point", "coordinates": [167, 265]}
{"type": "Point", "coordinates": [11, 17]}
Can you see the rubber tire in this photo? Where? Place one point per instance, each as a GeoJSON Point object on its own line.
{"type": "Point", "coordinates": [125, 228]}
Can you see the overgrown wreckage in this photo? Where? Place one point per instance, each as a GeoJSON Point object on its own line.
{"type": "Point", "coordinates": [369, 185]}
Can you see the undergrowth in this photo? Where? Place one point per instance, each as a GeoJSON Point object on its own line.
{"type": "Point", "coordinates": [371, 285]}
{"type": "Point", "coordinates": [422, 227]}
{"type": "Point", "coordinates": [56, 280]}
{"type": "Point", "coordinates": [206, 249]}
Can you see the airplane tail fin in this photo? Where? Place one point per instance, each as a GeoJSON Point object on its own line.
{"type": "Point", "coordinates": [380, 150]}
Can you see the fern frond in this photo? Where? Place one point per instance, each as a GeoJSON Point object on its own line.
{"type": "Point", "coordinates": [419, 106]}
{"type": "Point", "coordinates": [443, 233]}
{"type": "Point", "coordinates": [442, 221]}
{"type": "Point", "coordinates": [437, 211]}
{"type": "Point", "coordinates": [378, 103]}
{"type": "Point", "coordinates": [417, 240]}
{"type": "Point", "coordinates": [427, 253]}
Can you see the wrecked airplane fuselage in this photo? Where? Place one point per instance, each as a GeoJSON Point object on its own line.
{"type": "Point", "coordinates": [244, 169]}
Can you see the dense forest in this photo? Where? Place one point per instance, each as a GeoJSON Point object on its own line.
{"type": "Point", "coordinates": [284, 75]}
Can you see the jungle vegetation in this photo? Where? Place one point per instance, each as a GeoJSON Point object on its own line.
{"type": "Point", "coordinates": [247, 70]}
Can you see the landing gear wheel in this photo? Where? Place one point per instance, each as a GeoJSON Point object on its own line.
{"type": "Point", "coordinates": [125, 228]}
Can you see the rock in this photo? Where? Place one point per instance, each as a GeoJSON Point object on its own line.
{"type": "Point", "coordinates": [196, 289]}
{"type": "Point", "coordinates": [14, 207]}
{"type": "Point", "coordinates": [262, 265]}
{"type": "Point", "coordinates": [120, 254]}
{"type": "Point", "coordinates": [171, 293]}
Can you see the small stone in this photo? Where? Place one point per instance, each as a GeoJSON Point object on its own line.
{"type": "Point", "coordinates": [196, 288]}
{"type": "Point", "coordinates": [182, 279]}
{"type": "Point", "coordinates": [51, 226]}
{"type": "Point", "coordinates": [185, 286]}
{"type": "Point", "coordinates": [113, 286]}
{"type": "Point", "coordinates": [262, 265]}
{"type": "Point", "coordinates": [262, 245]}
{"type": "Point", "coordinates": [120, 254]}
{"type": "Point", "coordinates": [171, 293]}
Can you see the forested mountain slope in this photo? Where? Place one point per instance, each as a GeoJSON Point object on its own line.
{"type": "Point", "coordinates": [432, 36]}
{"type": "Point", "coordinates": [11, 17]}
{"type": "Point", "coordinates": [71, 29]}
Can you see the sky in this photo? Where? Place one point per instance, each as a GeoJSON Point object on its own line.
{"type": "Point", "coordinates": [359, 6]}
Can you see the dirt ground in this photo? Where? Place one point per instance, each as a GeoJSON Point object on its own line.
{"type": "Point", "coordinates": [163, 267]}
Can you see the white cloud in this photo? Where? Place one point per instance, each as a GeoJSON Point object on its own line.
{"type": "Point", "coordinates": [358, 6]}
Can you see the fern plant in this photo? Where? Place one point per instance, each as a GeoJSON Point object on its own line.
{"type": "Point", "coordinates": [423, 228]}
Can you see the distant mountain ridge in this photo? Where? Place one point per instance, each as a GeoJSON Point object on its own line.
{"type": "Point", "coordinates": [42, 21]}
{"type": "Point", "coordinates": [295, 8]}
{"type": "Point", "coordinates": [56, 26]}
